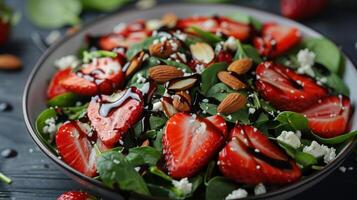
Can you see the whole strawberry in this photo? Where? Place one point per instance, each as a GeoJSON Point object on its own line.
{"type": "Point", "coordinates": [75, 195]}
{"type": "Point", "coordinates": [301, 9]}
{"type": "Point", "coordinates": [6, 16]}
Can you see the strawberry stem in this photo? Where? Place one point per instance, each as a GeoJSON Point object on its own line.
{"type": "Point", "coordinates": [5, 179]}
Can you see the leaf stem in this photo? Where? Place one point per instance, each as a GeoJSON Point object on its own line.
{"type": "Point", "coordinates": [5, 179]}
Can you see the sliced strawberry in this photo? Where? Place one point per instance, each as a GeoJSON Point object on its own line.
{"type": "Point", "coordinates": [251, 158]}
{"type": "Point", "coordinates": [220, 123]}
{"type": "Point", "coordinates": [301, 9]}
{"type": "Point", "coordinates": [217, 24]}
{"type": "Point", "coordinates": [285, 89]}
{"type": "Point", "coordinates": [112, 116]}
{"type": "Point", "coordinates": [224, 56]}
{"type": "Point", "coordinates": [75, 149]}
{"type": "Point", "coordinates": [55, 88]}
{"type": "Point", "coordinates": [74, 195]}
{"type": "Point", "coordinates": [329, 117]}
{"type": "Point", "coordinates": [101, 76]}
{"type": "Point", "coordinates": [276, 39]}
{"type": "Point", "coordinates": [189, 142]}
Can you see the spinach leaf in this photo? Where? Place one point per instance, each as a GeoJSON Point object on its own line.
{"type": "Point", "coordinates": [136, 48]}
{"type": "Point", "coordinates": [177, 64]}
{"type": "Point", "coordinates": [209, 171]}
{"type": "Point", "coordinates": [246, 19]}
{"type": "Point", "coordinates": [88, 56]}
{"type": "Point", "coordinates": [207, 36]}
{"type": "Point", "coordinates": [219, 188]}
{"type": "Point", "coordinates": [41, 122]}
{"type": "Point", "coordinates": [156, 122]}
{"type": "Point", "coordinates": [219, 91]}
{"type": "Point", "coordinates": [292, 120]}
{"type": "Point", "coordinates": [335, 140]}
{"type": "Point", "coordinates": [158, 140]}
{"type": "Point", "coordinates": [53, 13]}
{"type": "Point", "coordinates": [156, 171]}
{"type": "Point", "coordinates": [335, 82]}
{"type": "Point", "coordinates": [326, 52]}
{"type": "Point", "coordinates": [143, 155]}
{"type": "Point", "coordinates": [114, 168]}
{"type": "Point", "coordinates": [247, 51]}
{"type": "Point", "coordinates": [304, 159]}
{"type": "Point", "coordinates": [64, 100]}
{"type": "Point", "coordinates": [76, 112]}
{"type": "Point", "coordinates": [241, 115]}
{"type": "Point", "coordinates": [209, 76]}
{"type": "Point", "coordinates": [104, 6]}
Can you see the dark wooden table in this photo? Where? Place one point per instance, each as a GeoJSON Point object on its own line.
{"type": "Point", "coordinates": [36, 177]}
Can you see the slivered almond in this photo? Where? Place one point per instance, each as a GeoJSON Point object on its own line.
{"type": "Point", "coordinates": [202, 52]}
{"type": "Point", "coordinates": [230, 80]}
{"type": "Point", "coordinates": [182, 101]}
{"type": "Point", "coordinates": [232, 103]}
{"type": "Point", "coordinates": [10, 62]}
{"type": "Point", "coordinates": [169, 20]}
{"type": "Point", "coordinates": [183, 83]}
{"type": "Point", "coordinates": [240, 66]}
{"type": "Point", "coordinates": [135, 64]}
{"type": "Point", "coordinates": [167, 106]}
{"type": "Point", "coordinates": [164, 49]}
{"type": "Point", "coordinates": [163, 73]}
{"type": "Point", "coordinates": [145, 143]}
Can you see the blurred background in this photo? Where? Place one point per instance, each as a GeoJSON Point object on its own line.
{"type": "Point", "coordinates": [29, 27]}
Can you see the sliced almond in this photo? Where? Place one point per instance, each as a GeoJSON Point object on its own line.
{"type": "Point", "coordinates": [164, 49]}
{"type": "Point", "coordinates": [135, 64]}
{"type": "Point", "coordinates": [163, 73]}
{"type": "Point", "coordinates": [230, 80]}
{"type": "Point", "coordinates": [183, 83]}
{"type": "Point", "coordinates": [232, 103]}
{"type": "Point", "coordinates": [182, 101]}
{"type": "Point", "coordinates": [186, 95]}
{"type": "Point", "coordinates": [10, 62]}
{"type": "Point", "coordinates": [169, 20]}
{"type": "Point", "coordinates": [145, 143]}
{"type": "Point", "coordinates": [167, 106]}
{"type": "Point", "coordinates": [202, 52]}
{"type": "Point", "coordinates": [240, 66]}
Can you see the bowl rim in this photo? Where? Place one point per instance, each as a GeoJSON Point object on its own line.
{"type": "Point", "coordinates": [32, 130]}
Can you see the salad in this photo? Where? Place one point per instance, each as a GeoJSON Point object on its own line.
{"type": "Point", "coordinates": [204, 107]}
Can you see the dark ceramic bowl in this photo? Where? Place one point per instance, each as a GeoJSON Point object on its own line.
{"type": "Point", "coordinates": [34, 100]}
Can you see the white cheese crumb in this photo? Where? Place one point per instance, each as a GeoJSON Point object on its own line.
{"type": "Point", "coordinates": [200, 68]}
{"type": "Point", "coordinates": [50, 126]}
{"type": "Point", "coordinates": [184, 185]}
{"type": "Point", "coordinates": [251, 110]}
{"type": "Point", "coordinates": [318, 150]}
{"type": "Point", "coordinates": [237, 194]}
{"type": "Point", "coordinates": [53, 36]}
{"type": "Point", "coordinates": [157, 106]}
{"type": "Point", "coordinates": [140, 79]}
{"type": "Point", "coordinates": [306, 60]}
{"type": "Point", "coordinates": [119, 27]}
{"type": "Point", "coordinates": [153, 24]}
{"type": "Point", "coordinates": [342, 169]}
{"type": "Point", "coordinates": [230, 44]}
{"type": "Point", "coordinates": [209, 23]}
{"type": "Point", "coordinates": [67, 61]}
{"type": "Point", "coordinates": [181, 36]}
{"type": "Point", "coordinates": [290, 138]}
{"type": "Point", "coordinates": [229, 117]}
{"type": "Point", "coordinates": [260, 189]}
{"type": "Point", "coordinates": [205, 100]}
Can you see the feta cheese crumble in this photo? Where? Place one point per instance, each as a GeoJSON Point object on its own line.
{"type": "Point", "coordinates": [260, 189]}
{"type": "Point", "coordinates": [320, 150]}
{"type": "Point", "coordinates": [237, 194]}
{"type": "Point", "coordinates": [306, 60]}
{"type": "Point", "coordinates": [200, 68]}
{"type": "Point", "coordinates": [184, 185]}
{"type": "Point", "coordinates": [157, 106]}
{"type": "Point", "coordinates": [251, 110]}
{"type": "Point", "coordinates": [50, 126]}
{"type": "Point", "coordinates": [230, 44]}
{"type": "Point", "coordinates": [141, 78]}
{"type": "Point", "coordinates": [290, 138]}
{"type": "Point", "coordinates": [67, 61]}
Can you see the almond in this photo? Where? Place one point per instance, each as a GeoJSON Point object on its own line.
{"type": "Point", "coordinates": [164, 49]}
{"type": "Point", "coordinates": [182, 101]}
{"type": "Point", "coordinates": [183, 83]}
{"type": "Point", "coordinates": [240, 66]}
{"type": "Point", "coordinates": [202, 52]}
{"type": "Point", "coordinates": [232, 103]}
{"type": "Point", "coordinates": [135, 64]}
{"type": "Point", "coordinates": [163, 73]}
{"type": "Point", "coordinates": [169, 20]}
{"type": "Point", "coordinates": [10, 62]}
{"type": "Point", "coordinates": [145, 143]}
{"type": "Point", "coordinates": [167, 106]}
{"type": "Point", "coordinates": [230, 80]}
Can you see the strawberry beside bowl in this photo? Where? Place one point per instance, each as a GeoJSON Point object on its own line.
{"type": "Point", "coordinates": [70, 144]}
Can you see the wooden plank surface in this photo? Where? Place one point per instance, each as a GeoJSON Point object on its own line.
{"type": "Point", "coordinates": [36, 177]}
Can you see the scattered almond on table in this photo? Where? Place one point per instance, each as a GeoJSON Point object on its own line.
{"type": "Point", "coordinates": [10, 62]}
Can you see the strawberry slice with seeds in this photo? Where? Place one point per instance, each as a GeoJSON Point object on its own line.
{"type": "Point", "coordinates": [216, 24]}
{"type": "Point", "coordinates": [55, 88]}
{"type": "Point", "coordinates": [75, 149]}
{"type": "Point", "coordinates": [74, 195]}
{"type": "Point", "coordinates": [276, 39]}
{"type": "Point", "coordinates": [112, 116]}
{"type": "Point", "coordinates": [189, 142]}
{"type": "Point", "coordinates": [329, 116]}
{"type": "Point", "coordinates": [101, 76]}
{"type": "Point", "coordinates": [220, 123]}
{"type": "Point", "coordinates": [285, 89]}
{"type": "Point", "coordinates": [251, 158]}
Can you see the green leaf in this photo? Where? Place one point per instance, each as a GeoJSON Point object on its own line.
{"type": "Point", "coordinates": [156, 171]}
{"type": "Point", "coordinates": [105, 6]}
{"type": "Point", "coordinates": [209, 76]}
{"type": "Point", "coordinates": [114, 168]}
{"type": "Point", "coordinates": [156, 122]}
{"type": "Point", "coordinates": [143, 155]}
{"type": "Point", "coordinates": [41, 122]}
{"type": "Point", "coordinates": [88, 56]}
{"type": "Point", "coordinates": [64, 100]}
{"type": "Point", "coordinates": [54, 13]}
{"type": "Point", "coordinates": [247, 51]}
{"type": "Point", "coordinates": [76, 112]}
{"type": "Point", "coordinates": [219, 91]}
{"type": "Point", "coordinates": [241, 115]}
{"type": "Point", "coordinates": [136, 48]}
{"type": "Point", "coordinates": [158, 141]}
{"type": "Point", "coordinates": [336, 140]}
{"type": "Point", "coordinates": [293, 120]}
{"type": "Point", "coordinates": [209, 171]}
{"type": "Point", "coordinates": [334, 82]}
{"type": "Point", "coordinates": [246, 19]}
{"type": "Point", "coordinates": [326, 52]}
{"type": "Point", "coordinates": [206, 36]}
{"type": "Point", "coordinates": [219, 188]}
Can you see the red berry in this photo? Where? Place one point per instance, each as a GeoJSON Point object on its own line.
{"type": "Point", "coordinates": [55, 88]}
{"type": "Point", "coordinates": [74, 195]}
{"type": "Point", "coordinates": [301, 9]}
